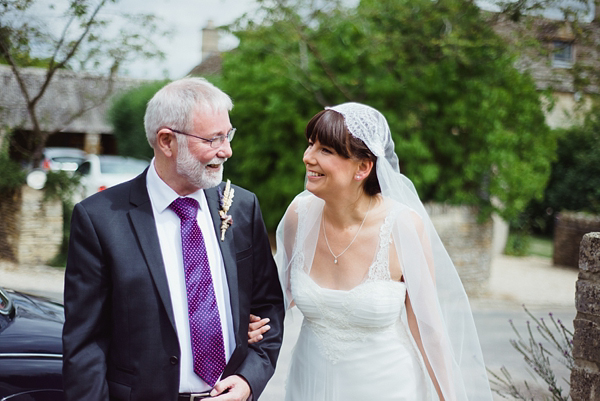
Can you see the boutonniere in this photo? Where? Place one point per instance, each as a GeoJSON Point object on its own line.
{"type": "Point", "coordinates": [225, 200]}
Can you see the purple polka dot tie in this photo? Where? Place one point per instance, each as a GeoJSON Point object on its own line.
{"type": "Point", "coordinates": [205, 325]}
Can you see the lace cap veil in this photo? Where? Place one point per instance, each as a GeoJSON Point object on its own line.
{"type": "Point", "coordinates": [436, 293]}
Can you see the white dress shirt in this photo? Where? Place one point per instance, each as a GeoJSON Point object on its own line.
{"type": "Point", "coordinates": [169, 236]}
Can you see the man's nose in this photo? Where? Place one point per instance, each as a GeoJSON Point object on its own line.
{"type": "Point", "coordinates": [225, 150]}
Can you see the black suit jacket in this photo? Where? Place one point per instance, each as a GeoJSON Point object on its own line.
{"type": "Point", "coordinates": [119, 336]}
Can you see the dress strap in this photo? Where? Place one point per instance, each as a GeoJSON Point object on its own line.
{"type": "Point", "coordinates": [380, 269]}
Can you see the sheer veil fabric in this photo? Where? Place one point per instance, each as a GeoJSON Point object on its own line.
{"type": "Point", "coordinates": [437, 296]}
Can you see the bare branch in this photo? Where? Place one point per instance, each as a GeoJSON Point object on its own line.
{"type": "Point", "coordinates": [52, 69]}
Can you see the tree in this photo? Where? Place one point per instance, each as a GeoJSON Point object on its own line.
{"type": "Point", "coordinates": [468, 127]}
{"type": "Point", "coordinates": [126, 115]}
{"type": "Point", "coordinates": [85, 42]}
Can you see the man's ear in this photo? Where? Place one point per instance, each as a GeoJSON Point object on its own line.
{"type": "Point", "coordinates": [165, 142]}
{"type": "Point", "coordinates": [364, 169]}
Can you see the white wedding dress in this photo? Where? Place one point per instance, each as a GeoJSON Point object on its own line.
{"type": "Point", "coordinates": [355, 345]}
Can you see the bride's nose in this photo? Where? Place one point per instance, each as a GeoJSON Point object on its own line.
{"type": "Point", "coordinates": [308, 157]}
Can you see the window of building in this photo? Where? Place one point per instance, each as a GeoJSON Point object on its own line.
{"type": "Point", "coordinates": [563, 54]}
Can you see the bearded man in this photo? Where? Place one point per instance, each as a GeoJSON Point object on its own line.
{"type": "Point", "coordinates": [164, 271]}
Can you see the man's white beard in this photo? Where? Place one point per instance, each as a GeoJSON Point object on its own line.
{"type": "Point", "coordinates": [195, 172]}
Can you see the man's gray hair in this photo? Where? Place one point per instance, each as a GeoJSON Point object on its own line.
{"type": "Point", "coordinates": [175, 104]}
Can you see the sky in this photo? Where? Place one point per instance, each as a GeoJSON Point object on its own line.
{"type": "Point", "coordinates": [186, 18]}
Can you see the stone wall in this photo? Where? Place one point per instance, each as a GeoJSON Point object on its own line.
{"type": "Point", "coordinates": [30, 230]}
{"type": "Point", "coordinates": [10, 207]}
{"type": "Point", "coordinates": [585, 375]}
{"type": "Point", "coordinates": [468, 242]}
{"type": "Point", "coordinates": [569, 229]}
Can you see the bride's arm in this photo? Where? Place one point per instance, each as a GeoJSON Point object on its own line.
{"type": "Point", "coordinates": [425, 268]}
{"type": "Point", "coordinates": [286, 237]}
{"type": "Point", "coordinates": [396, 273]}
{"type": "Point", "coordinates": [414, 329]}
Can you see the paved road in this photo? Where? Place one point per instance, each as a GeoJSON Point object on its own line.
{"type": "Point", "coordinates": [532, 281]}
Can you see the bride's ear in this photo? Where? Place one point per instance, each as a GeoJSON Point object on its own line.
{"type": "Point", "coordinates": [364, 169]}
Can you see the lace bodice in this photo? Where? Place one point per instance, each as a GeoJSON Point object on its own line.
{"type": "Point", "coordinates": [343, 318]}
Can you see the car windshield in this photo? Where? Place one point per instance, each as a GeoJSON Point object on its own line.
{"type": "Point", "coordinates": [122, 166]}
{"type": "Point", "coordinates": [67, 159]}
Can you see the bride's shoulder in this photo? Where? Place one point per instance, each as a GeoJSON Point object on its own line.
{"type": "Point", "coordinates": [403, 214]}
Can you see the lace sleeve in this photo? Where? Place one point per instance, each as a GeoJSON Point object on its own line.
{"type": "Point", "coordinates": [286, 235]}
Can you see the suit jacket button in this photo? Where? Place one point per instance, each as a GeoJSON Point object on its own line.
{"type": "Point", "coordinates": [174, 360]}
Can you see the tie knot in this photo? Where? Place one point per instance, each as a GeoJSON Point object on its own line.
{"type": "Point", "coordinates": [185, 208]}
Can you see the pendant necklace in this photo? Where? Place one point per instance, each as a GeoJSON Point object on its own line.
{"type": "Point", "coordinates": [335, 258]}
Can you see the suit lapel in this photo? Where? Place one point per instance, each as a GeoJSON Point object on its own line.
{"type": "Point", "coordinates": [142, 219]}
{"type": "Point", "coordinates": [228, 252]}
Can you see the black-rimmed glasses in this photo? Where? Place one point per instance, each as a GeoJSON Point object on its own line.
{"type": "Point", "coordinates": [215, 142]}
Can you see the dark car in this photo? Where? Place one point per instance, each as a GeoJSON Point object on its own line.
{"type": "Point", "coordinates": [30, 348]}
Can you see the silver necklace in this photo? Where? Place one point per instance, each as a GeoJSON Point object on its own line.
{"type": "Point", "coordinates": [335, 258]}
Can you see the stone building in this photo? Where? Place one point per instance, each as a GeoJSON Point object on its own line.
{"type": "Point", "coordinates": [31, 228]}
{"type": "Point", "coordinates": [552, 62]}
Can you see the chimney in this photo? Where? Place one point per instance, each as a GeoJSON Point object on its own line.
{"type": "Point", "coordinates": [210, 40]}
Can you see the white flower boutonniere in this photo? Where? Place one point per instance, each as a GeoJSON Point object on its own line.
{"type": "Point", "coordinates": [226, 199]}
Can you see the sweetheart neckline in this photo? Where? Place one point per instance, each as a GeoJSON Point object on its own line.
{"type": "Point", "coordinates": [353, 288]}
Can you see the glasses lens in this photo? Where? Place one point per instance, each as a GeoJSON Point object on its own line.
{"type": "Point", "coordinates": [230, 134]}
{"type": "Point", "coordinates": [217, 141]}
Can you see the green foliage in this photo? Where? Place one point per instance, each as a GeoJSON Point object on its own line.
{"type": "Point", "coordinates": [468, 126]}
{"type": "Point", "coordinates": [126, 115]}
{"type": "Point", "coordinates": [574, 183]}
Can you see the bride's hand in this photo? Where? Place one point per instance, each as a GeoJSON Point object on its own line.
{"type": "Point", "coordinates": [257, 328]}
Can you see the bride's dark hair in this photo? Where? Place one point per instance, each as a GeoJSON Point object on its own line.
{"type": "Point", "coordinates": [329, 129]}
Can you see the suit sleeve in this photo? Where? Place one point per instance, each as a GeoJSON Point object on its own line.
{"type": "Point", "coordinates": [87, 327]}
{"type": "Point", "coordinates": [267, 301]}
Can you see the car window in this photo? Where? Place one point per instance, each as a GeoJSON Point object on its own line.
{"type": "Point", "coordinates": [122, 166]}
{"type": "Point", "coordinates": [84, 168]}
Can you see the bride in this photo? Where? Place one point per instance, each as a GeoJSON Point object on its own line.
{"type": "Point", "coordinates": [385, 314]}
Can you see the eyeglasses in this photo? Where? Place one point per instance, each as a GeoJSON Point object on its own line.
{"type": "Point", "coordinates": [215, 142]}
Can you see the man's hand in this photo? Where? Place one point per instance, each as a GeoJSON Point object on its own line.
{"type": "Point", "coordinates": [257, 328]}
{"type": "Point", "coordinates": [232, 388]}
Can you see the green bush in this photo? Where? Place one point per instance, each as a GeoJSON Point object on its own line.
{"type": "Point", "coordinates": [12, 176]}
{"type": "Point", "coordinates": [574, 183]}
{"type": "Point", "coordinates": [61, 185]}
{"type": "Point", "coordinates": [518, 244]}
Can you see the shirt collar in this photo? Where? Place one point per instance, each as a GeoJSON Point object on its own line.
{"type": "Point", "coordinates": [162, 195]}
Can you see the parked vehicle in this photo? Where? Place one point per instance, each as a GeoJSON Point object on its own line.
{"type": "Point", "coordinates": [99, 172]}
{"type": "Point", "coordinates": [30, 347]}
{"type": "Point", "coordinates": [67, 159]}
